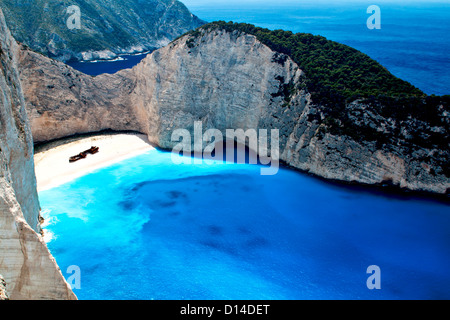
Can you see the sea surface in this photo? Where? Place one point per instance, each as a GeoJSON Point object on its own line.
{"type": "Point", "coordinates": [146, 228]}
{"type": "Point", "coordinates": [413, 42]}
{"type": "Point", "coordinates": [96, 67]}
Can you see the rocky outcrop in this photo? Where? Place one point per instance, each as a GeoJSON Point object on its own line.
{"type": "Point", "coordinates": [106, 28]}
{"type": "Point", "coordinates": [3, 292]}
{"type": "Point", "coordinates": [226, 80]}
{"type": "Point", "coordinates": [25, 262]}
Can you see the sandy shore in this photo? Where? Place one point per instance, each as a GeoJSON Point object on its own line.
{"type": "Point", "coordinates": [52, 160]}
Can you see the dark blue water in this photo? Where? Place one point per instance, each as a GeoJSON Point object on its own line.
{"type": "Point", "coordinates": [413, 43]}
{"type": "Point", "coordinates": [148, 229]}
{"type": "Point", "coordinates": [96, 67]}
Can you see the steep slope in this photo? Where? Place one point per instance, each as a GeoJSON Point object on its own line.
{"type": "Point", "coordinates": [28, 268]}
{"type": "Point", "coordinates": [230, 79]}
{"type": "Point", "coordinates": [107, 27]}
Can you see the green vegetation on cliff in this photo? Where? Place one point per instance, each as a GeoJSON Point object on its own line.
{"type": "Point", "coordinates": [334, 72]}
{"type": "Point", "coordinates": [386, 110]}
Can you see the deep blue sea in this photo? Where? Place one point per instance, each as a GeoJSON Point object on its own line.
{"type": "Point", "coordinates": [148, 229]}
{"type": "Point", "coordinates": [96, 67]}
{"type": "Point", "coordinates": [413, 42]}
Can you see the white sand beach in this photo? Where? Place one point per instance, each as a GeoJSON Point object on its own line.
{"type": "Point", "coordinates": [52, 160]}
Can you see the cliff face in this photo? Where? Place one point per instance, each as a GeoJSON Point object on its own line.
{"type": "Point", "coordinates": [227, 80]}
{"type": "Point", "coordinates": [28, 268]}
{"type": "Point", "coordinates": [62, 101]}
{"type": "Point", "coordinates": [107, 28]}
{"type": "Point", "coordinates": [231, 80]}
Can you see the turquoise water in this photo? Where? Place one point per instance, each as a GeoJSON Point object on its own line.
{"type": "Point", "coordinates": [148, 229]}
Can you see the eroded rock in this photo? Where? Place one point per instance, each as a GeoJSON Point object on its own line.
{"type": "Point", "coordinates": [25, 262]}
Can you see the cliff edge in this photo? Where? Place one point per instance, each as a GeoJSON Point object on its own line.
{"type": "Point", "coordinates": [29, 270]}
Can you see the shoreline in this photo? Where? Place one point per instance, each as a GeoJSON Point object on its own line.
{"type": "Point", "coordinates": [385, 189]}
{"type": "Point", "coordinates": [51, 160]}
{"type": "Point", "coordinates": [53, 168]}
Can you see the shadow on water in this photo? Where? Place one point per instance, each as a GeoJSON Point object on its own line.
{"type": "Point", "coordinates": [235, 152]}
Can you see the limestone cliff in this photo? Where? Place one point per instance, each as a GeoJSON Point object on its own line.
{"type": "Point", "coordinates": [28, 268]}
{"type": "Point", "coordinates": [228, 80]}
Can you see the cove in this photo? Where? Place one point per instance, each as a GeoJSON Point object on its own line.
{"type": "Point", "coordinates": [146, 228]}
